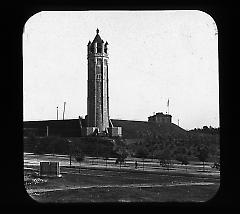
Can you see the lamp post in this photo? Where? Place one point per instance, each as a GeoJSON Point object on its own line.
{"type": "Point", "coordinates": [70, 153]}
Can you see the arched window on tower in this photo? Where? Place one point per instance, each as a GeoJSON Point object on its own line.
{"type": "Point", "coordinates": [92, 49]}
{"type": "Point", "coordinates": [99, 48]}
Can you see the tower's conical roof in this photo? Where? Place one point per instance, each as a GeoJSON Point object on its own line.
{"type": "Point", "coordinates": [97, 38]}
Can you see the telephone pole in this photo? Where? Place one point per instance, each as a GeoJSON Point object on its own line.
{"type": "Point", "coordinates": [64, 109]}
{"type": "Point", "coordinates": [168, 105]}
{"type": "Point", "coordinates": [57, 112]}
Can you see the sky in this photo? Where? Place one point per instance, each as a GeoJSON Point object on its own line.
{"type": "Point", "coordinates": [153, 56]}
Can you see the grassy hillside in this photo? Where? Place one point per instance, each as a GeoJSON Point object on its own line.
{"type": "Point", "coordinates": [136, 129]}
{"type": "Point", "coordinates": [137, 134]}
{"type": "Point", "coordinates": [131, 129]}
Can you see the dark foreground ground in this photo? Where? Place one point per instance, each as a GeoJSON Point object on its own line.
{"type": "Point", "coordinates": [99, 185]}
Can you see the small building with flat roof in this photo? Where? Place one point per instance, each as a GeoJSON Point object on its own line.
{"type": "Point", "coordinates": [160, 118]}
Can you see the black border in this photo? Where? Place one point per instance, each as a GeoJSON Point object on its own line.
{"type": "Point", "coordinates": [14, 19]}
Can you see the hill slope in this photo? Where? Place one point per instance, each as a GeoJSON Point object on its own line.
{"type": "Point", "coordinates": [130, 129]}
{"type": "Point", "coordinates": [134, 129]}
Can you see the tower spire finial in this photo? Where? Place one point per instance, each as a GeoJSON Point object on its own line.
{"type": "Point", "coordinates": [97, 30]}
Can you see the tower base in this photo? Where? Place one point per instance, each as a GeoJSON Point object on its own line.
{"type": "Point", "coordinates": [111, 131]}
{"type": "Point", "coordinates": [115, 131]}
{"type": "Point", "coordinates": [86, 131]}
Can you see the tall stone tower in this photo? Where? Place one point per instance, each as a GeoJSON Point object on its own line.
{"type": "Point", "coordinates": [98, 98]}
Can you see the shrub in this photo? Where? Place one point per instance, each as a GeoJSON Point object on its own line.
{"type": "Point", "coordinates": [79, 157]}
{"type": "Point", "coordinates": [203, 154]}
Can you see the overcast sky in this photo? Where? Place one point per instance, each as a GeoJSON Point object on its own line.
{"type": "Point", "coordinates": [153, 56]}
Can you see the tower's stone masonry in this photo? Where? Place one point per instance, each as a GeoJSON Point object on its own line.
{"type": "Point", "coordinates": [97, 107]}
{"type": "Point", "coordinates": [98, 96]}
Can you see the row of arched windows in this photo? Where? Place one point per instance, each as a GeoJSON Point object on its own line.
{"type": "Point", "coordinates": [99, 48]}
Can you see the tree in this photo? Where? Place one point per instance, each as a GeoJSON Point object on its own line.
{"type": "Point", "coordinates": [120, 160]}
{"type": "Point", "coordinates": [57, 145]}
{"type": "Point", "coordinates": [30, 142]}
{"type": "Point", "coordinates": [202, 154]}
{"type": "Point", "coordinates": [106, 157]}
{"type": "Point", "coordinates": [79, 157]}
{"type": "Point", "coordinates": [141, 152]}
{"type": "Point", "coordinates": [164, 157]}
{"type": "Point", "coordinates": [41, 146]}
{"type": "Point", "coordinates": [97, 150]}
{"type": "Point", "coordinates": [106, 153]}
{"type": "Point", "coordinates": [121, 150]}
{"type": "Point", "coordinates": [183, 159]}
